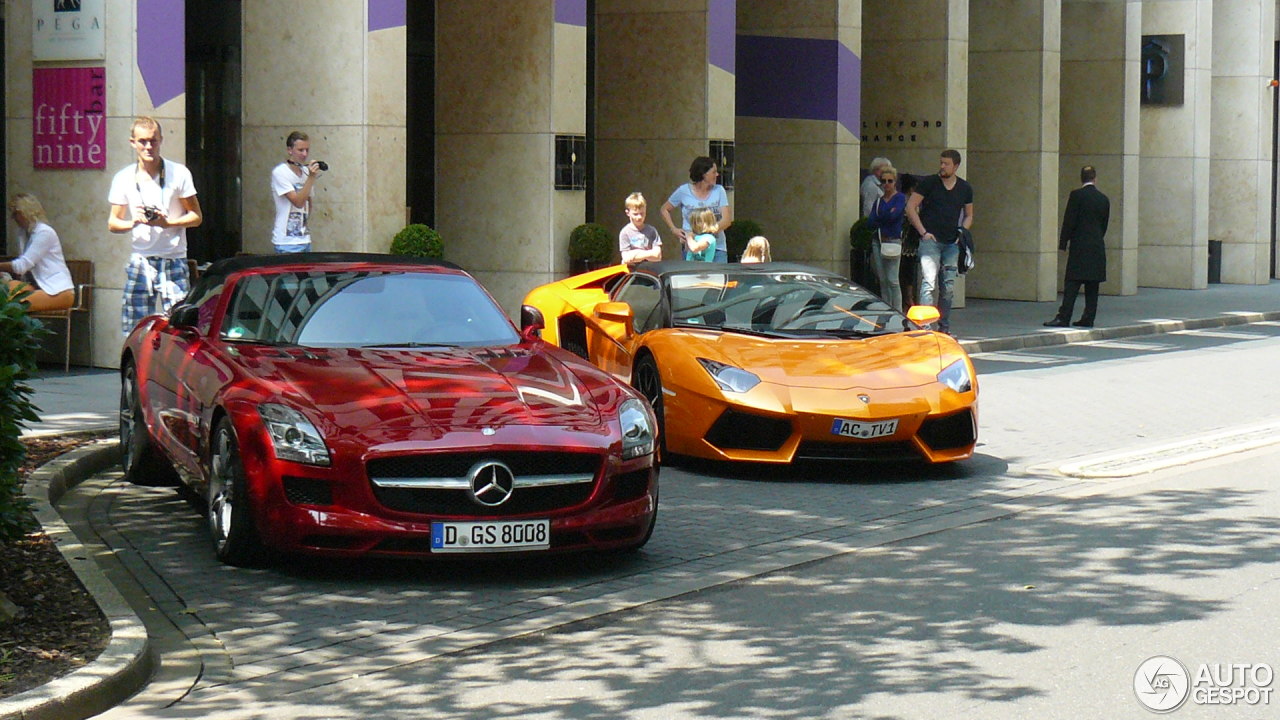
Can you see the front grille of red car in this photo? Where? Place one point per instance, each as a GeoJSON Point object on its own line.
{"type": "Point", "coordinates": [949, 433]}
{"type": "Point", "coordinates": [444, 465]}
{"type": "Point", "coordinates": [735, 430]}
{"type": "Point", "coordinates": [459, 503]}
{"type": "Point", "coordinates": [307, 491]}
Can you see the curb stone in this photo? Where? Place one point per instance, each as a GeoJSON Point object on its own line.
{"type": "Point", "coordinates": [126, 664]}
{"type": "Point", "coordinates": [1050, 338]}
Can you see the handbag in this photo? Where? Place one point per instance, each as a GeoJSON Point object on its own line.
{"type": "Point", "coordinates": [889, 249]}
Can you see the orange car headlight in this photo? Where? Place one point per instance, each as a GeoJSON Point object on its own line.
{"type": "Point", "coordinates": [957, 377]}
{"type": "Point", "coordinates": [728, 377]}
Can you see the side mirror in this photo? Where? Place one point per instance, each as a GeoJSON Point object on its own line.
{"type": "Point", "coordinates": [184, 317]}
{"type": "Point", "coordinates": [617, 312]}
{"type": "Point", "coordinates": [531, 322]}
{"type": "Point", "coordinates": [923, 315]}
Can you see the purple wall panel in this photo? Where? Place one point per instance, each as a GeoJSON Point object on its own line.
{"type": "Point", "coordinates": [722, 34]}
{"type": "Point", "coordinates": [162, 48]}
{"type": "Point", "coordinates": [572, 12]}
{"type": "Point", "coordinates": [799, 78]}
{"type": "Point", "coordinates": [385, 14]}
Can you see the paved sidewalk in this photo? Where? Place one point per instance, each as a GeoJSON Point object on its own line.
{"type": "Point", "coordinates": [87, 399]}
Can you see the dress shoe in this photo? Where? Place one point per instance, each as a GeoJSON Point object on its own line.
{"type": "Point", "coordinates": [1056, 322]}
{"type": "Point", "coordinates": [1082, 323]}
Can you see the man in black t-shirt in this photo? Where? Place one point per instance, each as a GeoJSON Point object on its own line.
{"type": "Point", "coordinates": [938, 205]}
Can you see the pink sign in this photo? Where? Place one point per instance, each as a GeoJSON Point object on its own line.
{"type": "Point", "coordinates": [69, 120]}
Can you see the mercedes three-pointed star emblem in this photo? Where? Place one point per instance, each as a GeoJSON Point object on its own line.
{"type": "Point", "coordinates": [491, 483]}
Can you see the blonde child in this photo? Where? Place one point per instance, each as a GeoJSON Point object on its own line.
{"type": "Point", "coordinates": [638, 241]}
{"type": "Point", "coordinates": [757, 250]}
{"type": "Point", "coordinates": [702, 244]}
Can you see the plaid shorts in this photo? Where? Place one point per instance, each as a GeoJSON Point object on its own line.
{"type": "Point", "coordinates": [152, 285]}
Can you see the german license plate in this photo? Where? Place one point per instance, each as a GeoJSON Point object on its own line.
{"type": "Point", "coordinates": [864, 430]}
{"type": "Point", "coordinates": [459, 537]}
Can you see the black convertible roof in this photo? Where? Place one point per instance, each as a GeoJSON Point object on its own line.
{"type": "Point", "coordinates": [226, 266]}
{"type": "Point", "coordinates": [667, 268]}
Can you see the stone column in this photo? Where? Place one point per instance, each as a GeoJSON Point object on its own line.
{"type": "Point", "coordinates": [1100, 105]}
{"type": "Point", "coordinates": [317, 78]}
{"type": "Point", "coordinates": [1014, 65]}
{"type": "Point", "coordinates": [798, 119]}
{"type": "Point", "coordinates": [915, 89]}
{"type": "Point", "coordinates": [501, 98]}
{"type": "Point", "coordinates": [1240, 142]}
{"type": "Point", "coordinates": [915, 82]}
{"type": "Point", "coordinates": [664, 88]}
{"type": "Point", "coordinates": [142, 78]}
{"type": "Point", "coordinates": [1173, 210]}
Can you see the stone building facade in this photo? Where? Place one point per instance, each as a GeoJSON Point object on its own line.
{"type": "Point", "coordinates": [505, 123]}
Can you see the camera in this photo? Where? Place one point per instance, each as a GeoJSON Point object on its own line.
{"type": "Point", "coordinates": [151, 212]}
{"type": "Point", "coordinates": [324, 166]}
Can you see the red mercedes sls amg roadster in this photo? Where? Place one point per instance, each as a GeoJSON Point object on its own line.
{"type": "Point", "coordinates": [354, 404]}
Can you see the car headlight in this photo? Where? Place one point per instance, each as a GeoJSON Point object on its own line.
{"type": "Point", "coordinates": [637, 429]}
{"type": "Point", "coordinates": [293, 436]}
{"type": "Point", "coordinates": [957, 377]}
{"type": "Point", "coordinates": [728, 377]}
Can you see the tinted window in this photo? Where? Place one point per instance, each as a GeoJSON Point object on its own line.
{"type": "Point", "coordinates": [644, 297]}
{"type": "Point", "coordinates": [355, 309]}
{"type": "Point", "coordinates": [787, 304]}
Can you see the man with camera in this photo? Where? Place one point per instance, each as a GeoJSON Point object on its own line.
{"type": "Point", "coordinates": [154, 199]}
{"type": "Point", "coordinates": [292, 182]}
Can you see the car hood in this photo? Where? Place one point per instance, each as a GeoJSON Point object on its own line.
{"type": "Point", "coordinates": [446, 390]}
{"type": "Point", "coordinates": [897, 360]}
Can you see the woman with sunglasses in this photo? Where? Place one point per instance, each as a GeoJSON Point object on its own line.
{"type": "Point", "coordinates": [885, 219]}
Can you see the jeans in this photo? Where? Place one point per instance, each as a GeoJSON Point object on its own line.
{"type": "Point", "coordinates": [938, 263]}
{"type": "Point", "coordinates": [296, 248]}
{"type": "Point", "coordinates": [887, 270]}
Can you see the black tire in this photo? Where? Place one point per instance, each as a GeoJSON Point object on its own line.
{"type": "Point", "coordinates": [648, 533]}
{"type": "Point", "coordinates": [141, 460]}
{"type": "Point", "coordinates": [648, 382]}
{"type": "Point", "coordinates": [235, 536]}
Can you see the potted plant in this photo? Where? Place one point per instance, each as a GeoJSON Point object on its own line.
{"type": "Point", "coordinates": [418, 241]}
{"type": "Point", "coordinates": [860, 270]}
{"type": "Point", "coordinates": [589, 248]}
{"type": "Point", "coordinates": [738, 235]}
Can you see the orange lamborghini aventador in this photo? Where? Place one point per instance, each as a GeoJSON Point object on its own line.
{"type": "Point", "coordinates": [769, 362]}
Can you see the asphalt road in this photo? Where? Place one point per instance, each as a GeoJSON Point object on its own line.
{"type": "Point", "coordinates": [996, 588]}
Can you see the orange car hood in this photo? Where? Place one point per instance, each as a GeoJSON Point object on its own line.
{"type": "Point", "coordinates": [888, 361]}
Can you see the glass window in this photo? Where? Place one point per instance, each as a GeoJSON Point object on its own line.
{"type": "Point", "coordinates": [644, 296]}
{"type": "Point", "coordinates": [781, 304]}
{"type": "Point", "coordinates": [365, 309]}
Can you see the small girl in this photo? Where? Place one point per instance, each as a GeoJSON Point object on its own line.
{"type": "Point", "coordinates": [757, 250]}
{"type": "Point", "coordinates": [702, 246]}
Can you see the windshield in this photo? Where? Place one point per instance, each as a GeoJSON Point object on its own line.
{"type": "Point", "coordinates": [365, 309]}
{"type": "Point", "coordinates": [784, 304]}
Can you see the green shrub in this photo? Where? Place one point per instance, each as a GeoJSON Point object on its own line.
{"type": "Point", "coordinates": [738, 235]}
{"type": "Point", "coordinates": [19, 342]}
{"type": "Point", "coordinates": [860, 235]}
{"type": "Point", "coordinates": [590, 241]}
{"type": "Point", "coordinates": [418, 241]}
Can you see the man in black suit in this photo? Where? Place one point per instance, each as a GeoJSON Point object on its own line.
{"type": "Point", "coordinates": [1083, 227]}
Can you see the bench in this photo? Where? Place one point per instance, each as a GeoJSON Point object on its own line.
{"type": "Point", "coordinates": [82, 279]}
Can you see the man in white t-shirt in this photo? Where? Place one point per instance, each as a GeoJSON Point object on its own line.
{"type": "Point", "coordinates": [292, 182]}
{"type": "Point", "coordinates": [154, 200]}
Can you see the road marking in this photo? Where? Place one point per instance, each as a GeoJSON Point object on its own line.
{"type": "Point", "coordinates": [1127, 463]}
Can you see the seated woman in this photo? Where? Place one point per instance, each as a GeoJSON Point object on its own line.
{"type": "Point", "coordinates": [41, 256]}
